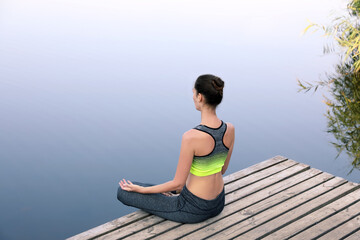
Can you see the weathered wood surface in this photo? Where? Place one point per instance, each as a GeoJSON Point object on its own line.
{"type": "Point", "coordinates": [275, 199]}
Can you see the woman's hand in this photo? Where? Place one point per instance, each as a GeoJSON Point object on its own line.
{"type": "Point", "coordinates": [129, 186]}
{"type": "Point", "coordinates": [168, 194]}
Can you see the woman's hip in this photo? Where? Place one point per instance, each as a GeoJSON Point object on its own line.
{"type": "Point", "coordinates": [201, 205]}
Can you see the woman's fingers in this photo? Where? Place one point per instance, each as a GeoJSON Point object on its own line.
{"type": "Point", "coordinates": [122, 185]}
{"type": "Point", "coordinates": [126, 184]}
{"type": "Point", "coordinates": [169, 194]}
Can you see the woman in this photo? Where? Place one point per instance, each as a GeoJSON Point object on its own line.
{"type": "Point", "coordinates": [204, 157]}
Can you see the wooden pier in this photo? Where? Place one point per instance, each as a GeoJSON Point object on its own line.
{"type": "Point", "coordinates": [276, 199]}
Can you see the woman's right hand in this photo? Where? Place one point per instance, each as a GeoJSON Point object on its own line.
{"type": "Point", "coordinates": [168, 194]}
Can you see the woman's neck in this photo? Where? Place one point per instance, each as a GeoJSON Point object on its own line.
{"type": "Point", "coordinates": [209, 117]}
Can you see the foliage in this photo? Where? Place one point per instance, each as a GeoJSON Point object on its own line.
{"type": "Point", "coordinates": [344, 86]}
{"type": "Point", "coordinates": [344, 111]}
{"type": "Point", "coordinates": [345, 31]}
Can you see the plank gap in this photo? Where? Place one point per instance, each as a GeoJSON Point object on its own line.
{"type": "Point", "coordinates": [167, 230]}
{"type": "Point", "coordinates": [260, 179]}
{"type": "Point", "coordinates": [271, 206]}
{"type": "Point", "coordinates": [145, 226]}
{"type": "Point", "coordinates": [114, 229]}
{"type": "Point", "coordinates": [280, 202]}
{"type": "Point", "coordinates": [268, 186]}
{"type": "Point", "coordinates": [305, 214]}
{"type": "Point", "coordinates": [351, 233]}
{"type": "Point", "coordinates": [338, 225]}
{"type": "Point", "coordinates": [258, 170]}
{"type": "Point", "coordinates": [330, 215]}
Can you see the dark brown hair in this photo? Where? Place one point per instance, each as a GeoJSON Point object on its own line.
{"type": "Point", "coordinates": [211, 87]}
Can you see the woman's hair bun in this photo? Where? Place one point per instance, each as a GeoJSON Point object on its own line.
{"type": "Point", "coordinates": [218, 84]}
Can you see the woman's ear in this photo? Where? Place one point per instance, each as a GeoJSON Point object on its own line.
{"type": "Point", "coordinates": [200, 97]}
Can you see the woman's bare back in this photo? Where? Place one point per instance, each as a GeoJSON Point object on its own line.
{"type": "Point", "coordinates": [209, 187]}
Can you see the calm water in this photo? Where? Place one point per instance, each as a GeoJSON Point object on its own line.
{"type": "Point", "coordinates": [93, 91]}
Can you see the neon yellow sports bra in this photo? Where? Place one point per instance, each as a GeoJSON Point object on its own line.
{"type": "Point", "coordinates": [214, 161]}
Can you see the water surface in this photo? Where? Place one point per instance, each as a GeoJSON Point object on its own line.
{"type": "Point", "coordinates": [92, 91]}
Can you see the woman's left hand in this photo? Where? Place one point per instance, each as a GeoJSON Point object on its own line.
{"type": "Point", "coordinates": [129, 186]}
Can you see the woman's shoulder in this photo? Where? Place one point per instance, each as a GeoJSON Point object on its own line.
{"type": "Point", "coordinates": [230, 130]}
{"type": "Point", "coordinates": [193, 134]}
{"type": "Point", "coordinates": [230, 126]}
{"type": "Point", "coordinates": [189, 137]}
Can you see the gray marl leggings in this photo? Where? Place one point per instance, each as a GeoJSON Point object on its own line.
{"type": "Point", "coordinates": [184, 208]}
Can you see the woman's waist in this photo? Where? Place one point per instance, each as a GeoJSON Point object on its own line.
{"type": "Point", "coordinates": [207, 188]}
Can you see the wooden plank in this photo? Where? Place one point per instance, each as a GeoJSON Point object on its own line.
{"type": "Point", "coordinates": [110, 226]}
{"type": "Point", "coordinates": [313, 218]}
{"type": "Point", "coordinates": [250, 216]}
{"type": "Point", "coordinates": [354, 236]}
{"type": "Point", "coordinates": [312, 205]}
{"type": "Point", "coordinates": [267, 185]}
{"type": "Point", "coordinates": [246, 207]}
{"type": "Point", "coordinates": [257, 186]}
{"type": "Point", "coordinates": [317, 202]}
{"type": "Point", "coordinates": [295, 214]}
{"type": "Point", "coordinates": [155, 230]}
{"type": "Point", "coordinates": [254, 168]}
{"type": "Point", "coordinates": [286, 200]}
{"type": "Point", "coordinates": [330, 222]}
{"type": "Point", "coordinates": [245, 194]}
{"type": "Point", "coordinates": [259, 175]}
{"type": "Point", "coordinates": [132, 228]}
{"type": "Point", "coordinates": [132, 217]}
{"type": "Point", "coordinates": [347, 227]}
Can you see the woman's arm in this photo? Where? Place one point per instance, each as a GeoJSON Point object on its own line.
{"type": "Point", "coordinates": [182, 171]}
{"type": "Point", "coordinates": [232, 136]}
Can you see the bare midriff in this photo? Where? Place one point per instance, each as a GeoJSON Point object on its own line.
{"type": "Point", "coordinates": [206, 187]}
